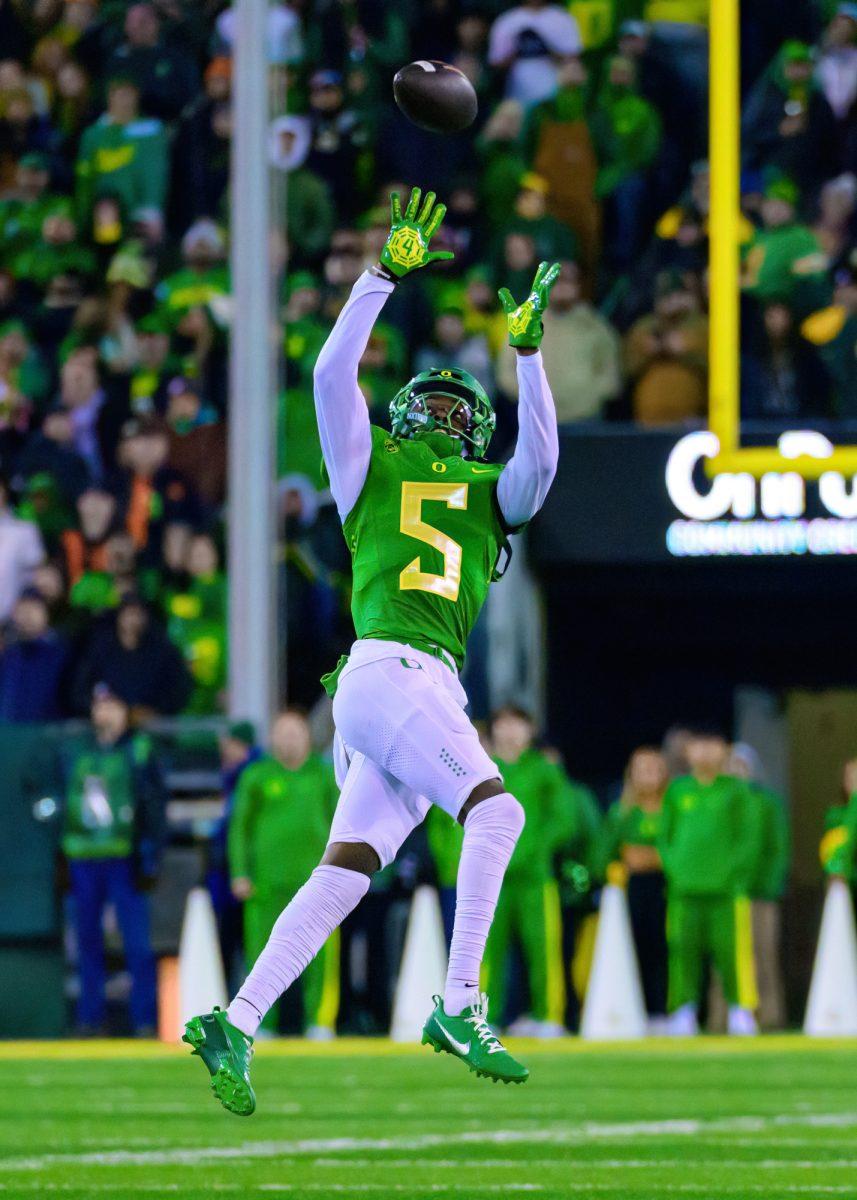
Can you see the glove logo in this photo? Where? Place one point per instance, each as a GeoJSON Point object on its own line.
{"type": "Point", "coordinates": [405, 247]}
{"type": "Point", "coordinates": [521, 318]}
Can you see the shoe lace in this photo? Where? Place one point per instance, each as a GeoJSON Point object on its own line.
{"type": "Point", "coordinates": [479, 1020]}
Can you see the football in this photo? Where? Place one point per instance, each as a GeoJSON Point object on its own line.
{"type": "Point", "coordinates": [435, 96]}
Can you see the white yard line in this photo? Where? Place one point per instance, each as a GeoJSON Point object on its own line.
{"type": "Point", "coordinates": [558, 1135]}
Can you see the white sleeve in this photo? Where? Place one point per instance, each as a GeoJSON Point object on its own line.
{"type": "Point", "coordinates": [340, 407]}
{"type": "Point", "coordinates": [524, 483]}
{"type": "Point", "coordinates": [501, 40]}
{"type": "Point", "coordinates": [563, 34]}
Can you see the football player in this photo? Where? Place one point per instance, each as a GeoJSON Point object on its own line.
{"type": "Point", "coordinates": [427, 520]}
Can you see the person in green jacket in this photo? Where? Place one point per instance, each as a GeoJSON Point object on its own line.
{"type": "Point", "coordinates": [627, 132]}
{"type": "Point", "coordinates": [277, 833]}
{"type": "Point", "coordinates": [113, 825]}
{"type": "Point", "coordinates": [125, 157]}
{"type": "Point", "coordinates": [837, 849]}
{"type": "Point", "coordinates": [529, 908]}
{"type": "Point", "coordinates": [767, 883]}
{"type": "Point", "coordinates": [709, 846]}
{"type": "Point", "coordinates": [631, 860]}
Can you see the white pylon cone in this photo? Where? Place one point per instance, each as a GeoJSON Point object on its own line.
{"type": "Point", "coordinates": [202, 983]}
{"type": "Point", "coordinates": [423, 970]}
{"type": "Point", "coordinates": [614, 1006]}
{"type": "Point", "coordinates": [831, 1009]}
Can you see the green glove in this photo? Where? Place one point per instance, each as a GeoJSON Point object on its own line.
{"type": "Point", "coordinates": [524, 321]}
{"type": "Point", "coordinates": [407, 247]}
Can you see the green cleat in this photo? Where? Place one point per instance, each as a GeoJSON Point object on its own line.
{"type": "Point", "coordinates": [469, 1037]}
{"type": "Point", "coordinates": [227, 1052]}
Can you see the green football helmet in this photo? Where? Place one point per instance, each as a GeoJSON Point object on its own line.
{"type": "Point", "coordinates": [409, 412]}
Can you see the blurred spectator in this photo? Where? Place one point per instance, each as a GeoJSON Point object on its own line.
{"type": "Point", "coordinates": [838, 844]}
{"type": "Point", "coordinates": [138, 662]}
{"type": "Point", "coordinates": [452, 346]}
{"type": "Point", "coordinates": [238, 750]}
{"type": "Point", "coordinates": [24, 207]}
{"type": "Point", "coordinates": [833, 329]}
{"type": "Point", "coordinates": [285, 44]}
{"type": "Point", "coordinates": [787, 123]}
{"type": "Point", "coordinates": [84, 547]}
{"type": "Point", "coordinates": [152, 492]}
{"type": "Point", "coordinates": [666, 354]}
{"type": "Point", "coordinates": [767, 883]}
{"type": "Point", "coordinates": [783, 377]}
{"type": "Point", "coordinates": [111, 572]}
{"type": "Point", "coordinates": [113, 830]}
{"type": "Point", "coordinates": [93, 426]}
{"type": "Point", "coordinates": [21, 551]}
{"type": "Point", "coordinates": [124, 157]}
{"type": "Point", "coordinates": [202, 147]}
{"type": "Point", "coordinates": [502, 162]}
{"type": "Point", "coordinates": [784, 256]}
{"type": "Point", "coordinates": [836, 68]}
{"type": "Point", "coordinates": [310, 214]}
{"type": "Point", "coordinates": [631, 859]}
{"type": "Point", "coordinates": [529, 910]}
{"type": "Point", "coordinates": [203, 280]}
{"type": "Point", "coordinates": [197, 441]}
{"type": "Point", "coordinates": [165, 76]}
{"type": "Point", "coordinates": [22, 369]}
{"type": "Point", "coordinates": [32, 662]}
{"type": "Point", "coordinates": [197, 624]}
{"type": "Point", "coordinates": [530, 235]}
{"type": "Point", "coordinates": [55, 250]}
{"type": "Point", "coordinates": [278, 830]}
{"type": "Point", "coordinates": [709, 847]}
{"type": "Point", "coordinates": [338, 153]}
{"type": "Point", "coordinates": [627, 132]}
{"type": "Point", "coordinates": [582, 353]}
{"type": "Point", "coordinates": [560, 146]}
{"type": "Point", "coordinates": [527, 44]}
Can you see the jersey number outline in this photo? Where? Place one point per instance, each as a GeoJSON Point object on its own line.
{"type": "Point", "coordinates": [413, 578]}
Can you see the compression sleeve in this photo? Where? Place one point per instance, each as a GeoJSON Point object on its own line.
{"type": "Point", "coordinates": [524, 483]}
{"type": "Point", "coordinates": [340, 406]}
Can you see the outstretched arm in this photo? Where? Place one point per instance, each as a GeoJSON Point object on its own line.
{"type": "Point", "coordinates": [340, 406]}
{"type": "Point", "coordinates": [524, 484]}
{"type": "Point", "coordinates": [343, 419]}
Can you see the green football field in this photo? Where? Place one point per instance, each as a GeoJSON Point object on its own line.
{"type": "Point", "coordinates": [775, 1118]}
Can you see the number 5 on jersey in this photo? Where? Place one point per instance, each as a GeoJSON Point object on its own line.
{"type": "Point", "coordinates": [413, 578]}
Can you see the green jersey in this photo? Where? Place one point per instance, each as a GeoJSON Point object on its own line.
{"type": "Point", "coordinates": [768, 879]}
{"type": "Point", "coordinates": [280, 822]}
{"type": "Point", "coordinates": [837, 845]}
{"type": "Point", "coordinates": [425, 538]}
{"type": "Point", "coordinates": [552, 823]}
{"type": "Point", "coordinates": [709, 837]}
{"type": "Point", "coordinates": [628, 825]}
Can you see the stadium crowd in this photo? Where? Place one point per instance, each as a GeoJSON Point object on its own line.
{"type": "Point", "coordinates": [115, 309]}
{"type": "Point", "coordinates": [115, 128]}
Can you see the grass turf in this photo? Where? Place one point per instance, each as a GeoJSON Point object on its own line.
{"type": "Point", "coordinates": [775, 1119]}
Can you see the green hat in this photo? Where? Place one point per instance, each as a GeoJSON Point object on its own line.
{"type": "Point", "coordinates": [242, 731]}
{"type": "Point", "coordinates": [410, 416]}
{"type": "Point", "coordinates": [795, 51]}
{"type": "Point", "coordinates": [781, 187]}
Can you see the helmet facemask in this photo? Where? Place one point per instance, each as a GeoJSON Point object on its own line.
{"type": "Point", "coordinates": [411, 414]}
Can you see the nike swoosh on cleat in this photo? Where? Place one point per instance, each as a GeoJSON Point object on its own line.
{"type": "Point", "coordinates": [459, 1047]}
